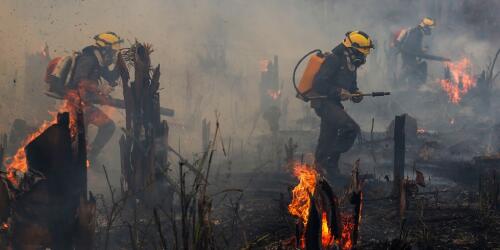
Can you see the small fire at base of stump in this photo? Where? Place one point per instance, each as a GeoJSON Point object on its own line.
{"type": "Point", "coordinates": [320, 225]}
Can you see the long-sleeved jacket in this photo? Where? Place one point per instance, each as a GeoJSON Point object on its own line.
{"type": "Point", "coordinates": [412, 46]}
{"type": "Point", "coordinates": [89, 67]}
{"type": "Point", "coordinates": [334, 74]}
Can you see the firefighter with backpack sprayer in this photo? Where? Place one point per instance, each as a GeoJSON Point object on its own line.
{"type": "Point", "coordinates": [81, 75]}
{"type": "Point", "coordinates": [409, 42]}
{"type": "Point", "coordinates": [329, 79]}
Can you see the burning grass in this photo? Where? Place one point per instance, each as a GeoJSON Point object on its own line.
{"type": "Point", "coordinates": [458, 80]}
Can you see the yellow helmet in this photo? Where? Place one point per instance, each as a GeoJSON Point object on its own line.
{"type": "Point", "coordinates": [358, 40]}
{"type": "Point", "coordinates": [427, 22]}
{"type": "Point", "coordinates": [108, 39]}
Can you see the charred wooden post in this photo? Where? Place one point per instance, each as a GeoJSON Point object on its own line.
{"type": "Point", "coordinates": [399, 153]}
{"type": "Point", "coordinates": [357, 201]}
{"type": "Point", "coordinates": [144, 147]}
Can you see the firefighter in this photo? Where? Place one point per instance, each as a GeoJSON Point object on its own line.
{"type": "Point", "coordinates": [96, 62]}
{"type": "Point", "coordinates": [413, 53]}
{"type": "Point", "coordinates": [336, 79]}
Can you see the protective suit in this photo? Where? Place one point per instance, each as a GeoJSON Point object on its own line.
{"type": "Point", "coordinates": [96, 62]}
{"type": "Point", "coordinates": [336, 79]}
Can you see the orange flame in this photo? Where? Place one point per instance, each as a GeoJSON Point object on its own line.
{"type": "Point", "coordinates": [347, 229]}
{"type": "Point", "coordinates": [264, 65]}
{"type": "Point", "coordinates": [460, 80]}
{"type": "Point", "coordinates": [326, 234]}
{"type": "Point", "coordinates": [17, 164]}
{"type": "Point", "coordinates": [301, 201]}
{"type": "Point", "coordinates": [275, 94]}
{"type": "Point", "coordinates": [301, 204]}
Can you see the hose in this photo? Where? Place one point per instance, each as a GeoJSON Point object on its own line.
{"type": "Point", "coordinates": [297, 66]}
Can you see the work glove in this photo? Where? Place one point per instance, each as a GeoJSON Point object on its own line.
{"type": "Point", "coordinates": [344, 95]}
{"type": "Point", "coordinates": [357, 97]}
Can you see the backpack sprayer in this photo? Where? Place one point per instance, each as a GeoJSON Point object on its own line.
{"type": "Point", "coordinates": [304, 89]}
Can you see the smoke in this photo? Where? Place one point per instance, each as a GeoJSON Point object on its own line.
{"type": "Point", "coordinates": [209, 51]}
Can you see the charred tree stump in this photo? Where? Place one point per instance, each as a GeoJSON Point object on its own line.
{"type": "Point", "coordinates": [47, 209]}
{"type": "Point", "coordinates": [144, 147]}
{"type": "Point", "coordinates": [313, 229]}
{"type": "Point", "coordinates": [399, 153]}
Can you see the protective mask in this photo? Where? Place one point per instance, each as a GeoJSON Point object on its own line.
{"type": "Point", "coordinates": [357, 58]}
{"type": "Point", "coordinates": [109, 55]}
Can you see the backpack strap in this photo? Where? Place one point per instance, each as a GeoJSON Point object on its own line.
{"type": "Point", "coordinates": [74, 58]}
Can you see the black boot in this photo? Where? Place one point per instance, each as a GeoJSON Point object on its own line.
{"type": "Point", "coordinates": [332, 168]}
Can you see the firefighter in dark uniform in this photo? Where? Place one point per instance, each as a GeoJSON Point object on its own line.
{"type": "Point", "coordinates": [336, 79]}
{"type": "Point", "coordinates": [96, 62]}
{"type": "Point", "coordinates": [413, 53]}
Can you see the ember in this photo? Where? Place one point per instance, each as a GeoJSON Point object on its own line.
{"type": "Point", "coordinates": [346, 242]}
{"type": "Point", "coordinates": [458, 80]}
{"type": "Point", "coordinates": [264, 65]}
{"type": "Point", "coordinates": [326, 234]}
{"type": "Point", "coordinates": [275, 94]}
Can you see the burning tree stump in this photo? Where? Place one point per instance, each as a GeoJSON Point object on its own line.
{"type": "Point", "coordinates": [50, 199]}
{"type": "Point", "coordinates": [320, 224]}
{"type": "Point", "coordinates": [144, 147]}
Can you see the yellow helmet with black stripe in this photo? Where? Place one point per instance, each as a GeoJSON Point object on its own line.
{"type": "Point", "coordinates": [358, 40]}
{"type": "Point", "coordinates": [108, 39]}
